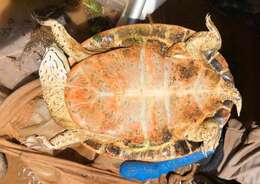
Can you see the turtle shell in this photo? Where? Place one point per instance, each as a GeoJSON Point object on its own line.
{"type": "Point", "coordinates": [138, 102]}
{"type": "Point", "coordinates": [143, 94]}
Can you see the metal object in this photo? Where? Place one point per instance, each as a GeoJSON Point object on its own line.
{"type": "Point", "coordinates": [136, 11]}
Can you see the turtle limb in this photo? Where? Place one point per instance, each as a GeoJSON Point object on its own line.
{"type": "Point", "coordinates": [201, 44]}
{"type": "Point", "coordinates": [205, 42]}
{"type": "Point", "coordinates": [60, 141]}
{"type": "Point", "coordinates": [70, 46]}
{"type": "Point", "coordinates": [53, 75]}
{"type": "Point", "coordinates": [39, 143]}
{"type": "Point", "coordinates": [208, 133]}
{"type": "Point", "coordinates": [69, 137]}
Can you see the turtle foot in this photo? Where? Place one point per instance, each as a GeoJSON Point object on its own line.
{"type": "Point", "coordinates": [210, 135]}
{"type": "Point", "coordinates": [39, 143]}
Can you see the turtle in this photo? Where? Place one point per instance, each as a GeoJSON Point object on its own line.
{"type": "Point", "coordinates": [149, 92]}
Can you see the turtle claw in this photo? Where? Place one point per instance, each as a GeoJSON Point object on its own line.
{"type": "Point", "coordinates": [205, 149]}
{"type": "Point", "coordinates": [39, 143]}
{"type": "Point", "coordinates": [210, 145]}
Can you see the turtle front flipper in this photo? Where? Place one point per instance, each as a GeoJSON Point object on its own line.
{"type": "Point", "coordinates": [53, 75]}
{"type": "Point", "coordinates": [70, 46]}
{"type": "Point", "coordinates": [58, 142]}
{"type": "Point", "coordinates": [69, 137]}
{"type": "Point", "coordinates": [205, 42]}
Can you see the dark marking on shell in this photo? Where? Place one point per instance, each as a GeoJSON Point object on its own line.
{"type": "Point", "coordinates": [228, 103]}
{"type": "Point", "coordinates": [181, 147]}
{"type": "Point", "coordinates": [212, 75]}
{"type": "Point", "coordinates": [132, 41]}
{"type": "Point", "coordinates": [142, 154]}
{"type": "Point", "coordinates": [222, 115]}
{"type": "Point", "coordinates": [227, 76]}
{"type": "Point", "coordinates": [93, 144]}
{"type": "Point", "coordinates": [166, 135]}
{"type": "Point", "coordinates": [133, 156]}
{"type": "Point", "coordinates": [142, 32]}
{"type": "Point", "coordinates": [209, 54]}
{"type": "Point", "coordinates": [187, 72]}
{"type": "Point", "coordinates": [124, 33]}
{"type": "Point", "coordinates": [126, 142]}
{"type": "Point", "coordinates": [194, 114]}
{"type": "Point", "coordinates": [150, 154]}
{"type": "Point", "coordinates": [216, 65]}
{"type": "Point", "coordinates": [113, 149]}
{"type": "Point", "coordinates": [160, 32]}
{"type": "Point", "coordinates": [163, 46]}
{"type": "Point", "coordinates": [131, 145]}
{"type": "Point", "coordinates": [176, 37]}
{"type": "Point", "coordinates": [166, 151]}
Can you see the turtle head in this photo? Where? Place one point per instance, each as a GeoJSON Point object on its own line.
{"type": "Point", "coordinates": [66, 42]}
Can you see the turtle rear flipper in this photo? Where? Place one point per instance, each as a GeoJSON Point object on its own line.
{"type": "Point", "coordinates": [53, 75]}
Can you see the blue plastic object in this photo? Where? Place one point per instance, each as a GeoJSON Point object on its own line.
{"type": "Point", "coordinates": [136, 170]}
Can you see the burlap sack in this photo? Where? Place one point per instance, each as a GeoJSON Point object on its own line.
{"type": "Point", "coordinates": [23, 114]}
{"type": "Point", "coordinates": [241, 153]}
{"type": "Point", "coordinates": [36, 167]}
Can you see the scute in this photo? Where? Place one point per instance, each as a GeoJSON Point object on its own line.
{"type": "Point", "coordinates": [138, 34]}
{"type": "Point", "coordinates": [130, 95]}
